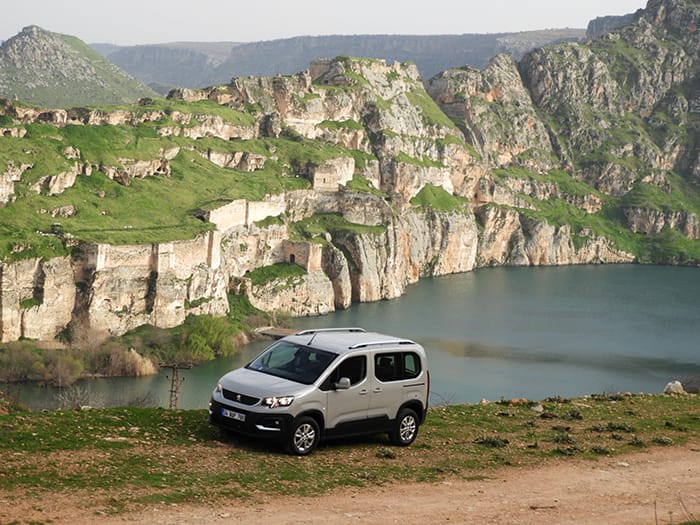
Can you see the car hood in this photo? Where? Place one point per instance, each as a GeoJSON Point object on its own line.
{"type": "Point", "coordinates": [259, 384]}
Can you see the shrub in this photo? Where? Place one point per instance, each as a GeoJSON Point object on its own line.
{"type": "Point", "coordinates": [129, 363]}
{"type": "Point", "coordinates": [207, 337]}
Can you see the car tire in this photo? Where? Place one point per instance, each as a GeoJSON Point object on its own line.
{"type": "Point", "coordinates": [405, 428]}
{"type": "Point", "coordinates": [303, 437]}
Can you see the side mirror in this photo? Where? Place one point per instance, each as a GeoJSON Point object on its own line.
{"type": "Point", "coordinates": [342, 384]}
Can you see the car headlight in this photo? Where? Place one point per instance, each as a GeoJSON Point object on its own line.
{"type": "Point", "coordinates": [218, 388]}
{"type": "Point", "coordinates": [277, 401]}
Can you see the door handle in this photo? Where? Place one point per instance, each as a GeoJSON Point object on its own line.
{"type": "Point", "coordinates": [363, 392]}
{"type": "Point", "coordinates": [377, 390]}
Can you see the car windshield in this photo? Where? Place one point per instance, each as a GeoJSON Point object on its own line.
{"type": "Point", "coordinates": [294, 362]}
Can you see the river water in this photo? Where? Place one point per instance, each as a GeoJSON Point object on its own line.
{"type": "Point", "coordinates": [497, 333]}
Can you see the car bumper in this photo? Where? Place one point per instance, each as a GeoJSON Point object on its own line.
{"type": "Point", "coordinates": [249, 423]}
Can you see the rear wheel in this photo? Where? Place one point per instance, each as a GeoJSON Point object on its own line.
{"type": "Point", "coordinates": [304, 437]}
{"type": "Point", "coordinates": [405, 429]}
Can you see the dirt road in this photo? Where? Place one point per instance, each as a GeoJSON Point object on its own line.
{"type": "Point", "coordinates": [661, 485]}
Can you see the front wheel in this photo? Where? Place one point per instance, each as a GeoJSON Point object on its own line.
{"type": "Point", "coordinates": [304, 437]}
{"type": "Point", "coordinates": [405, 429]}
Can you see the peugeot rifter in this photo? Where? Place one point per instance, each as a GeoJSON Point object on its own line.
{"type": "Point", "coordinates": [318, 384]}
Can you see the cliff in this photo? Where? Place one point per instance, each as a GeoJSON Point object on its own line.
{"type": "Point", "coordinates": [349, 181]}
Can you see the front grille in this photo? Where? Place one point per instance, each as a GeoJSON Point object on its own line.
{"type": "Point", "coordinates": [240, 398]}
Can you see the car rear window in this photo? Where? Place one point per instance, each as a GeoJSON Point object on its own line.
{"type": "Point", "coordinates": [396, 366]}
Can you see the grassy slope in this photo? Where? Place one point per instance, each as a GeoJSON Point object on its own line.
{"type": "Point", "coordinates": [165, 205]}
{"type": "Point", "coordinates": [122, 449]}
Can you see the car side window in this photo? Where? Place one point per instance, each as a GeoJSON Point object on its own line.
{"type": "Point", "coordinates": [396, 366]}
{"type": "Point", "coordinates": [411, 365]}
{"type": "Point", "coordinates": [385, 368]}
{"type": "Point", "coordinates": [354, 368]}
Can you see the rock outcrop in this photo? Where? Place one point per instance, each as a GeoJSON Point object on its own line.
{"type": "Point", "coordinates": [37, 298]}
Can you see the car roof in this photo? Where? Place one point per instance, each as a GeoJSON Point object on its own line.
{"type": "Point", "coordinates": [345, 340]}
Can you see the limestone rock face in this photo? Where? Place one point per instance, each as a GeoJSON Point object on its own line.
{"type": "Point", "coordinates": [311, 294]}
{"type": "Point", "coordinates": [37, 298]}
{"type": "Point", "coordinates": [337, 268]}
{"type": "Point", "coordinates": [511, 239]}
{"type": "Point", "coordinates": [419, 244]}
{"type": "Point", "coordinates": [56, 184]}
{"type": "Point", "coordinates": [499, 116]}
{"type": "Point", "coordinates": [136, 169]}
{"type": "Point", "coordinates": [674, 387]}
{"type": "Point", "coordinates": [643, 220]}
{"type": "Point", "coordinates": [385, 101]}
{"type": "Point", "coordinates": [598, 89]}
{"type": "Point", "coordinates": [8, 178]}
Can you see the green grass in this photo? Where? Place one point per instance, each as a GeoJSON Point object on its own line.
{"type": "Point", "coordinates": [200, 108]}
{"type": "Point", "coordinates": [315, 227]}
{"type": "Point", "coordinates": [563, 180]}
{"type": "Point", "coordinates": [287, 272]}
{"type": "Point", "coordinates": [348, 124]}
{"type": "Point", "coordinates": [431, 112]}
{"type": "Point", "coordinates": [362, 185]}
{"type": "Point", "coordinates": [425, 162]}
{"type": "Point", "coordinates": [652, 197]}
{"type": "Point", "coordinates": [138, 456]}
{"type": "Point", "coordinates": [105, 208]}
{"type": "Point", "coordinates": [437, 198]}
{"type": "Point", "coordinates": [167, 205]}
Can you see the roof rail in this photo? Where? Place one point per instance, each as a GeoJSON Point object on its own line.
{"type": "Point", "coordinates": [316, 330]}
{"type": "Point", "coordinates": [385, 342]}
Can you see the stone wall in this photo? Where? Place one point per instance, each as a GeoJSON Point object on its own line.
{"type": "Point", "coordinates": [233, 214]}
{"type": "Point", "coordinates": [333, 173]}
{"type": "Point", "coordinates": [155, 284]}
{"type": "Point", "coordinates": [241, 212]}
{"type": "Point", "coordinates": [308, 255]}
{"type": "Point", "coordinates": [270, 206]}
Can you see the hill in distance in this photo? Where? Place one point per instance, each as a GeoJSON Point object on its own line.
{"type": "Point", "coordinates": [199, 64]}
{"type": "Point", "coordinates": [55, 70]}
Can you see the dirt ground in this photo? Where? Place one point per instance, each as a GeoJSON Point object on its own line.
{"type": "Point", "coordinates": [656, 486]}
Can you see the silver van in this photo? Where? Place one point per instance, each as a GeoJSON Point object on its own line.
{"type": "Point", "coordinates": [318, 384]}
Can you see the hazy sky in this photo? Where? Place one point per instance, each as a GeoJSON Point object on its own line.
{"type": "Point", "coordinates": [129, 22]}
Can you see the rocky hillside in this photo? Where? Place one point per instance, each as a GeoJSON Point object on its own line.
{"type": "Point", "coordinates": [349, 181]}
{"type": "Point", "coordinates": [603, 25]}
{"type": "Point", "coordinates": [192, 65]}
{"type": "Point", "coordinates": [54, 70]}
{"type": "Point", "coordinates": [163, 67]}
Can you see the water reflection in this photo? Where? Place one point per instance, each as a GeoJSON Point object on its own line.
{"type": "Point", "coordinates": [660, 366]}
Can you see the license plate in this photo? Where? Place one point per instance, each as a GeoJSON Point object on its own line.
{"type": "Point", "coordinates": [233, 415]}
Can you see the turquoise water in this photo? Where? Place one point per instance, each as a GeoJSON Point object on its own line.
{"type": "Point", "coordinates": [503, 332]}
